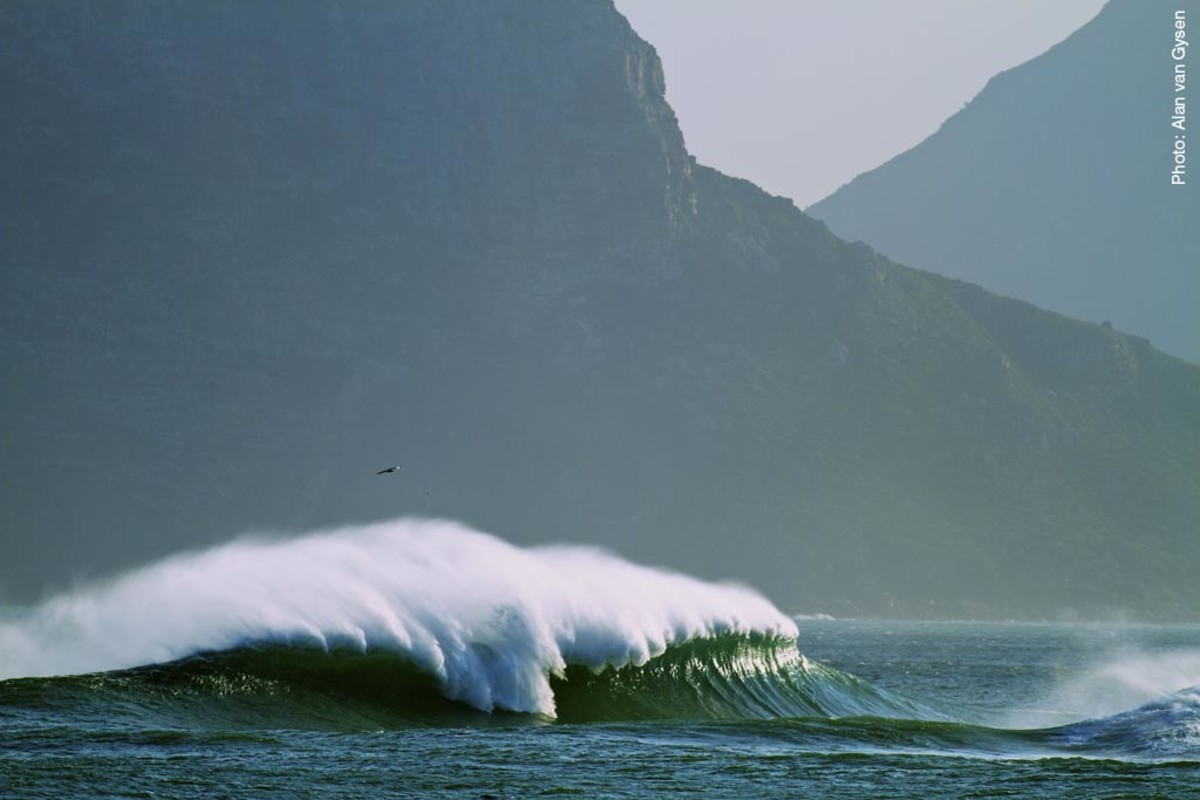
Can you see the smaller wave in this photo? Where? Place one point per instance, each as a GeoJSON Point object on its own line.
{"type": "Point", "coordinates": [1165, 728]}
{"type": "Point", "coordinates": [1121, 680]}
{"type": "Point", "coordinates": [1130, 703]}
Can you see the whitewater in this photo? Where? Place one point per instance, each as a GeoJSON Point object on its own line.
{"type": "Point", "coordinates": [492, 622]}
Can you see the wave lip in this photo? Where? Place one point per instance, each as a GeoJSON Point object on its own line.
{"type": "Point", "coordinates": [491, 622]}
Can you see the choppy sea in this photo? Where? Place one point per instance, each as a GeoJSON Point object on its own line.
{"type": "Point", "coordinates": [422, 659]}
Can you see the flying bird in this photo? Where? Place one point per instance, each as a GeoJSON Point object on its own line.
{"type": "Point", "coordinates": [388, 469]}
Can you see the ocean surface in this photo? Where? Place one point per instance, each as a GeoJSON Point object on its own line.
{"type": "Point", "coordinates": [422, 659]}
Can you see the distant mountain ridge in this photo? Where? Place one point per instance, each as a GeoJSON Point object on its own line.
{"type": "Point", "coordinates": [1053, 185]}
{"type": "Point", "coordinates": [252, 253]}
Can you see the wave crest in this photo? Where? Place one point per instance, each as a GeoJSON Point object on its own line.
{"type": "Point", "coordinates": [491, 622]}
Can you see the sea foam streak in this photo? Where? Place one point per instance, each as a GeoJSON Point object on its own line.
{"type": "Point", "coordinates": [491, 621]}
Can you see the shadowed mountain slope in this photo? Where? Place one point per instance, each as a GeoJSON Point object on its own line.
{"type": "Point", "coordinates": [252, 253]}
{"type": "Point", "coordinates": [1054, 184]}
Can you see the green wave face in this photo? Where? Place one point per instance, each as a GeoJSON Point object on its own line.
{"type": "Point", "coordinates": [725, 677]}
{"type": "Point", "coordinates": [730, 677]}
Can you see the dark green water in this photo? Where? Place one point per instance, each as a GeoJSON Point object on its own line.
{"type": "Point", "coordinates": [871, 710]}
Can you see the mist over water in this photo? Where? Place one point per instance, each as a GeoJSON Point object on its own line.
{"type": "Point", "coordinates": [490, 621]}
{"type": "Point", "coordinates": [1120, 680]}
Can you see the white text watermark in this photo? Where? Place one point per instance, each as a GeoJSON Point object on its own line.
{"type": "Point", "coordinates": [1179, 108]}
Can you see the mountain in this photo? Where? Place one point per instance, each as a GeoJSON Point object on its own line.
{"type": "Point", "coordinates": [254, 252]}
{"type": "Point", "coordinates": [1054, 185]}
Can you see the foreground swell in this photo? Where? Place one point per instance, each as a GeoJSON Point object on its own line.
{"type": "Point", "coordinates": [756, 690]}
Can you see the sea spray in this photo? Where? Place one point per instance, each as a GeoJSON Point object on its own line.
{"type": "Point", "coordinates": [492, 622]}
{"type": "Point", "coordinates": [1120, 680]}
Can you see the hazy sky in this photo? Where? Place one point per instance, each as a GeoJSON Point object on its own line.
{"type": "Point", "coordinates": [799, 96]}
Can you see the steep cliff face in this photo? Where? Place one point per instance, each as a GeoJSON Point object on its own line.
{"type": "Point", "coordinates": [425, 114]}
{"type": "Point", "coordinates": [1054, 185]}
{"type": "Point", "coordinates": [252, 251]}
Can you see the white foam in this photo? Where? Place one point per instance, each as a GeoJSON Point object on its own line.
{"type": "Point", "coordinates": [492, 621]}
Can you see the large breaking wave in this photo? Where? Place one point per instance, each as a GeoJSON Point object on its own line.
{"type": "Point", "coordinates": [492, 624]}
{"type": "Point", "coordinates": [427, 622]}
